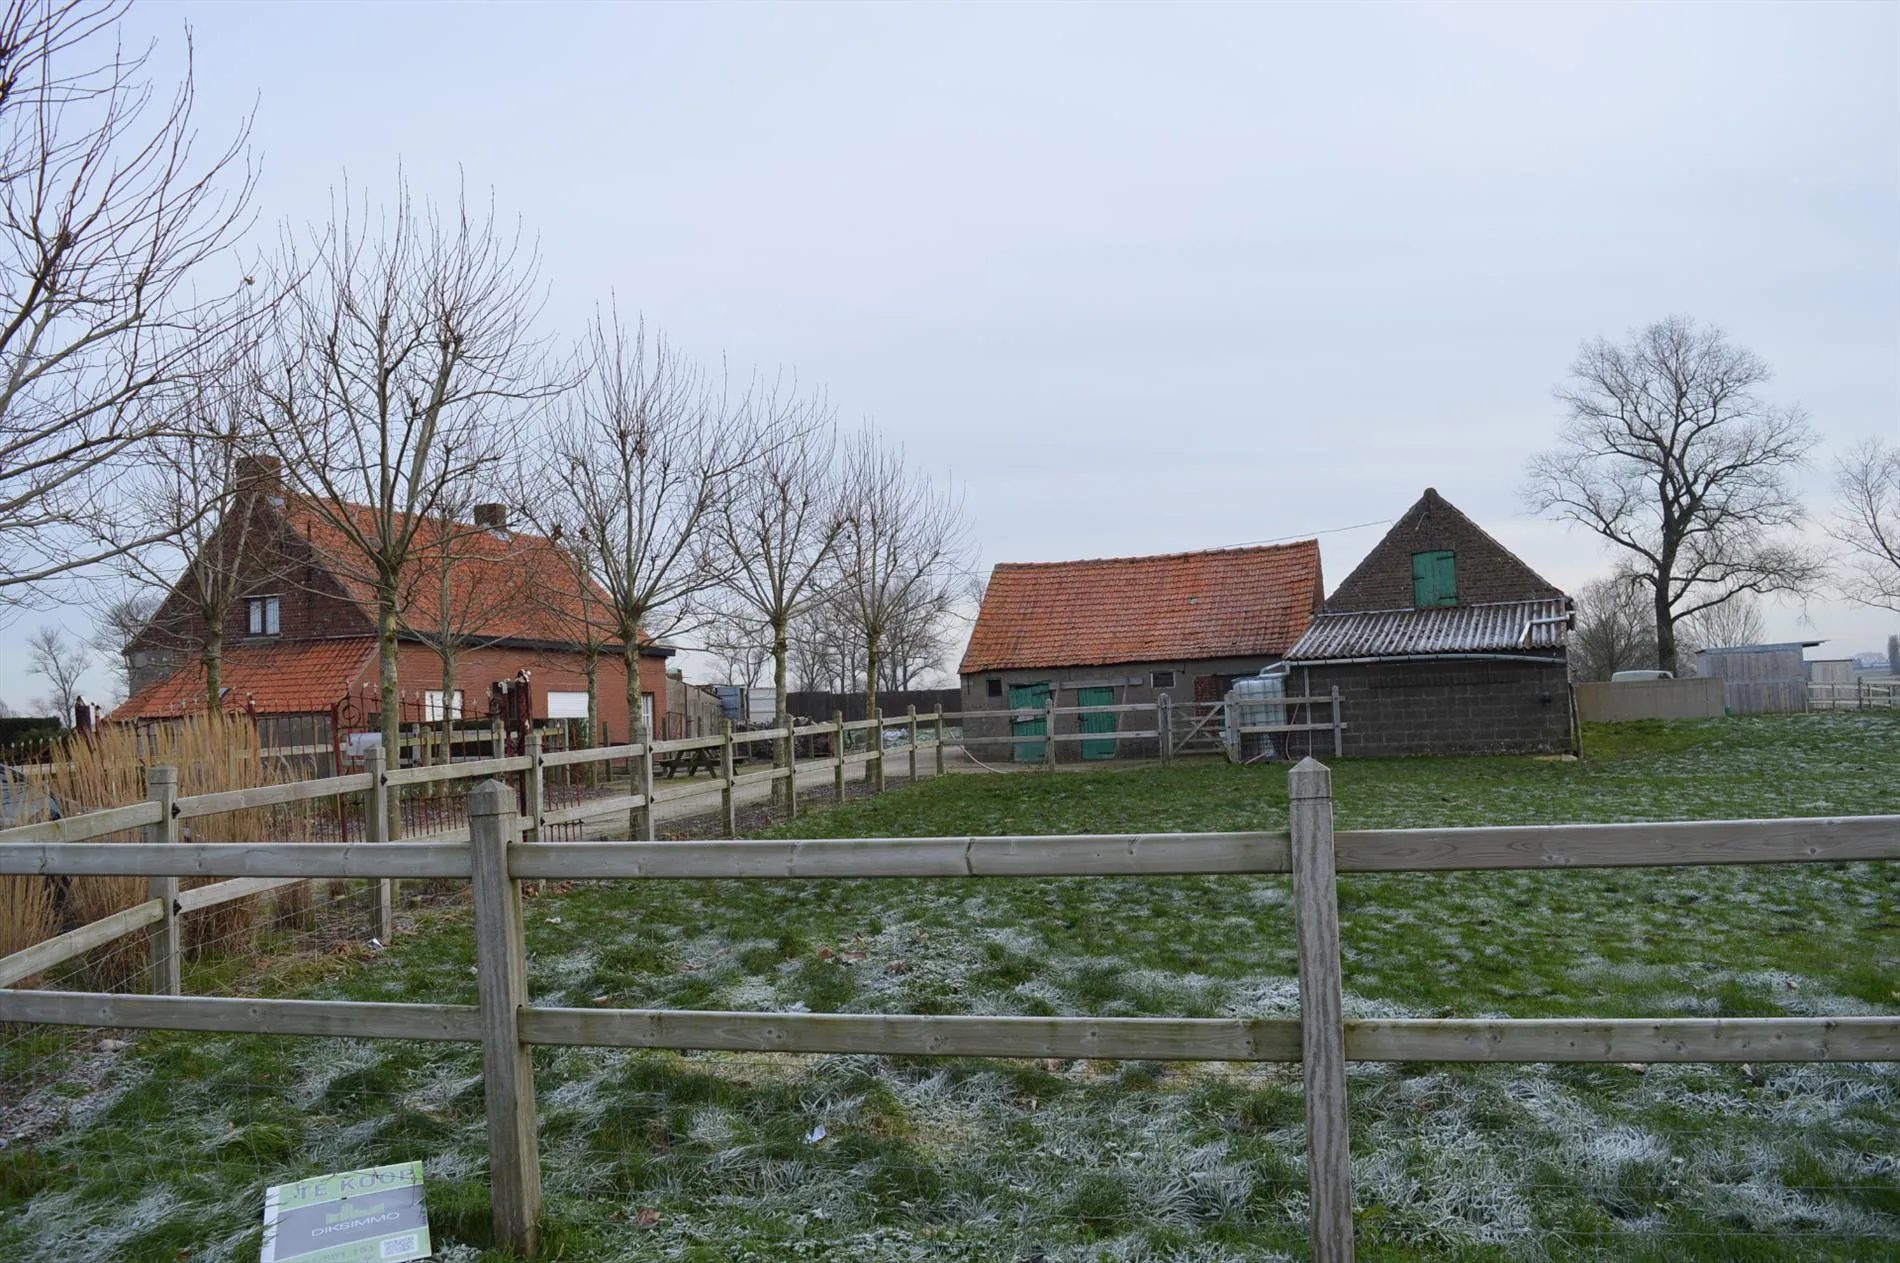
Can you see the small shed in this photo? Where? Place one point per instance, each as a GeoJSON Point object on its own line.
{"type": "Point", "coordinates": [1441, 642]}
{"type": "Point", "coordinates": [1759, 679]}
{"type": "Point", "coordinates": [1125, 631]}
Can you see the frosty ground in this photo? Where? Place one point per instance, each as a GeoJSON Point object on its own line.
{"type": "Point", "coordinates": [654, 1155]}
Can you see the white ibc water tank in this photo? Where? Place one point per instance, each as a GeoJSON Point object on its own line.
{"type": "Point", "coordinates": [1254, 702]}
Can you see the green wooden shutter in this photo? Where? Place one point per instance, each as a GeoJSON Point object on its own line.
{"type": "Point", "coordinates": [1434, 579]}
{"type": "Point", "coordinates": [1103, 722]}
{"type": "Point", "coordinates": [1029, 696]}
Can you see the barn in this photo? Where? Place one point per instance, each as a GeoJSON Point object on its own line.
{"type": "Point", "coordinates": [1442, 641]}
{"type": "Point", "coordinates": [1126, 630]}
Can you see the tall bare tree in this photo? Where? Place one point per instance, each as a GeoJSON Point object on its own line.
{"type": "Point", "coordinates": [1867, 523]}
{"type": "Point", "coordinates": [779, 523]}
{"type": "Point", "coordinates": [1671, 455]}
{"type": "Point", "coordinates": [1616, 629]}
{"type": "Point", "coordinates": [638, 457]}
{"type": "Point", "coordinates": [903, 546]}
{"type": "Point", "coordinates": [110, 222]}
{"type": "Point", "coordinates": [408, 356]}
{"type": "Point", "coordinates": [196, 511]}
{"type": "Point", "coordinates": [61, 663]}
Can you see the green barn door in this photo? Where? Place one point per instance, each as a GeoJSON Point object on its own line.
{"type": "Point", "coordinates": [1104, 722]}
{"type": "Point", "coordinates": [1029, 697]}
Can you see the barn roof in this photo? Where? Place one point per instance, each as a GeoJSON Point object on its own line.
{"type": "Point", "coordinates": [1230, 602]}
{"type": "Point", "coordinates": [1490, 627]}
{"type": "Point", "coordinates": [297, 677]}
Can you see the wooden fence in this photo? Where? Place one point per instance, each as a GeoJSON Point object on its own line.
{"type": "Point", "coordinates": [508, 1024]}
{"type": "Point", "coordinates": [163, 815]}
{"type": "Point", "coordinates": [1175, 729]}
{"type": "Point", "coordinates": [1866, 693]}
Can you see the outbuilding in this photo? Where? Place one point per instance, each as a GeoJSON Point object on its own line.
{"type": "Point", "coordinates": [1442, 641]}
{"type": "Point", "coordinates": [1126, 630]}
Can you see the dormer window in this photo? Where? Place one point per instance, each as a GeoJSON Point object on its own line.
{"type": "Point", "coordinates": [266, 615]}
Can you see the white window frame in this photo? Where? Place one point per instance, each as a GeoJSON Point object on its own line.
{"type": "Point", "coordinates": [432, 706]}
{"type": "Point", "coordinates": [563, 704]}
{"type": "Point", "coordinates": [266, 616]}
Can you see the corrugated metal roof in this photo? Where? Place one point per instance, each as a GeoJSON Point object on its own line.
{"type": "Point", "coordinates": [1495, 627]}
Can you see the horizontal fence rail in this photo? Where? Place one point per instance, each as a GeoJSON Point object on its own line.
{"type": "Point", "coordinates": [495, 858]}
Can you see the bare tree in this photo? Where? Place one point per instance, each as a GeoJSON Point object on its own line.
{"type": "Point", "coordinates": [1615, 631]}
{"type": "Point", "coordinates": [463, 589]}
{"type": "Point", "coordinates": [407, 356]}
{"type": "Point", "coordinates": [61, 662]}
{"type": "Point", "coordinates": [1867, 523]}
{"type": "Point", "coordinates": [1734, 622]}
{"type": "Point", "coordinates": [902, 548]}
{"type": "Point", "coordinates": [108, 218]}
{"type": "Point", "coordinates": [779, 523]}
{"type": "Point", "coordinates": [825, 653]}
{"type": "Point", "coordinates": [639, 455]}
{"type": "Point", "coordinates": [196, 512]}
{"type": "Point", "coordinates": [565, 590]}
{"type": "Point", "coordinates": [1670, 455]}
{"type": "Point", "coordinates": [736, 640]}
{"type": "Point", "coordinates": [118, 624]}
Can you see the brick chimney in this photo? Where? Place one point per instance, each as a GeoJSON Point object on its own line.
{"type": "Point", "coordinates": [492, 516]}
{"type": "Point", "coordinates": [260, 476]}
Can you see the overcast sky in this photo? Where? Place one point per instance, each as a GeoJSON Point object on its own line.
{"type": "Point", "coordinates": [1146, 279]}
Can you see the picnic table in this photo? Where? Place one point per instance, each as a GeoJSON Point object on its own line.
{"type": "Point", "coordinates": [692, 760]}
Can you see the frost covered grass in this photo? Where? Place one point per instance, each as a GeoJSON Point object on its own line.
{"type": "Point", "coordinates": [652, 1156]}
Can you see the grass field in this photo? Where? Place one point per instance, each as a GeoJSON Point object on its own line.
{"type": "Point", "coordinates": [652, 1156]}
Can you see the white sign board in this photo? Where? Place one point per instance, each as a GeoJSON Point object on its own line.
{"type": "Point", "coordinates": [363, 742]}
{"type": "Point", "coordinates": [567, 705]}
{"type": "Point", "coordinates": [375, 1215]}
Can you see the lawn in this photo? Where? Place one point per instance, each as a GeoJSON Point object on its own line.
{"type": "Point", "coordinates": [651, 1156]}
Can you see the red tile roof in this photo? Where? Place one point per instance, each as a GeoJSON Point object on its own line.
{"type": "Point", "coordinates": [1231, 602]}
{"type": "Point", "coordinates": [503, 585]}
{"type": "Point", "coordinates": [290, 678]}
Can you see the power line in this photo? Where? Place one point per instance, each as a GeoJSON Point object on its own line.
{"type": "Point", "coordinates": [1357, 526]}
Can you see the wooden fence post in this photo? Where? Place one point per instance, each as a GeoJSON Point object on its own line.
{"type": "Point", "coordinates": [643, 785]}
{"type": "Point", "coordinates": [911, 715]}
{"type": "Point", "coordinates": [874, 746]}
{"type": "Point", "coordinates": [1164, 725]}
{"type": "Point", "coordinates": [837, 749]}
{"type": "Point", "coordinates": [939, 718]}
{"type": "Point", "coordinates": [498, 738]}
{"type": "Point", "coordinates": [1049, 732]}
{"type": "Point", "coordinates": [501, 959]}
{"type": "Point", "coordinates": [1322, 1021]}
{"type": "Point", "coordinates": [161, 786]}
{"type": "Point", "coordinates": [1339, 740]}
{"type": "Point", "coordinates": [791, 768]}
{"type": "Point", "coordinates": [728, 813]}
{"type": "Point", "coordinates": [382, 890]}
{"type": "Point", "coordinates": [534, 787]}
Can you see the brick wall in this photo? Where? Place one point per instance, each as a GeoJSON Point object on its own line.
{"type": "Point", "coordinates": [1411, 708]}
{"type": "Point", "coordinates": [552, 671]}
{"type": "Point", "coordinates": [1486, 570]}
{"type": "Point", "coordinates": [1133, 683]}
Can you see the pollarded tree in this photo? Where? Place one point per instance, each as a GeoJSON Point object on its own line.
{"type": "Point", "coordinates": [638, 457]}
{"type": "Point", "coordinates": [903, 549]}
{"type": "Point", "coordinates": [779, 522]}
{"type": "Point", "coordinates": [110, 221]}
{"type": "Point", "coordinates": [1670, 454]}
{"type": "Point", "coordinates": [407, 358]}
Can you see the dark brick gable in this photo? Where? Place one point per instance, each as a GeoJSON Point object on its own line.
{"type": "Point", "coordinates": [1486, 570]}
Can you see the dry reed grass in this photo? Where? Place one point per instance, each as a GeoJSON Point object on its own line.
{"type": "Point", "coordinates": [26, 913]}
{"type": "Point", "coordinates": [106, 768]}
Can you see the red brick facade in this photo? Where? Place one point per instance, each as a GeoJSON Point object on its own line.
{"type": "Point", "coordinates": [1486, 569]}
{"type": "Point", "coordinates": [289, 555]}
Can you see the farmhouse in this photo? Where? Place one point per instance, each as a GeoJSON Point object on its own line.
{"type": "Point", "coordinates": [1440, 642]}
{"type": "Point", "coordinates": [1127, 630]}
{"type": "Point", "coordinates": [299, 645]}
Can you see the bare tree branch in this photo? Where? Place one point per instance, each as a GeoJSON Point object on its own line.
{"type": "Point", "coordinates": [108, 219]}
{"type": "Point", "coordinates": [1867, 523]}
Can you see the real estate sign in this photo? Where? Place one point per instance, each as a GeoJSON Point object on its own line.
{"type": "Point", "coordinates": [375, 1215]}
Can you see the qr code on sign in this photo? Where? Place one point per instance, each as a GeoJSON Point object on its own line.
{"type": "Point", "coordinates": [403, 1247]}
